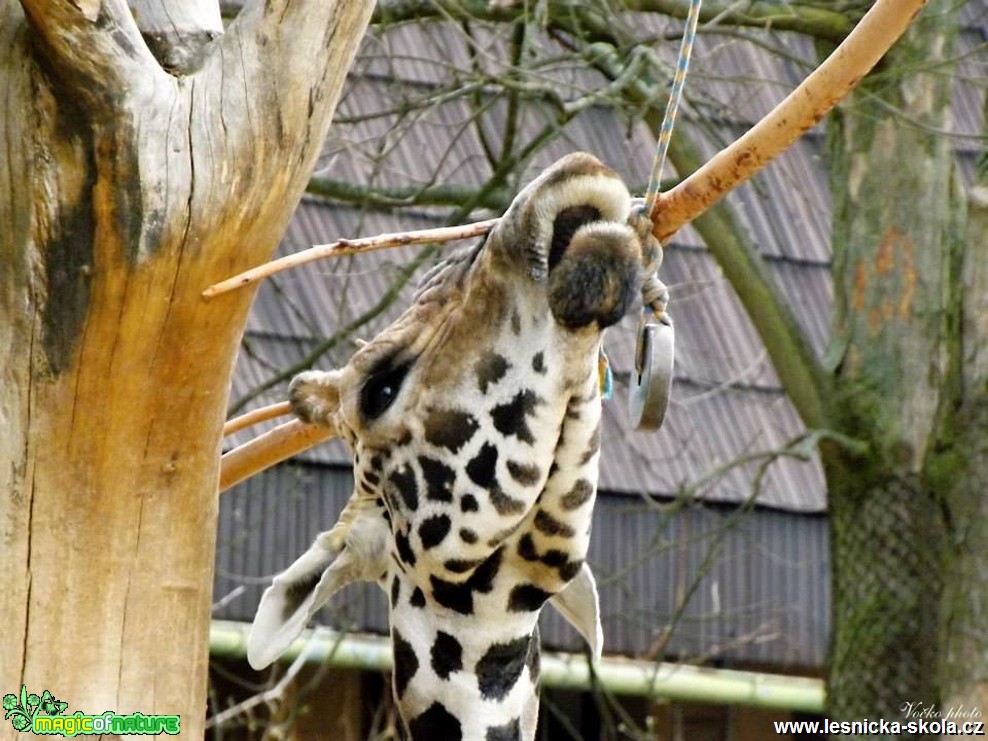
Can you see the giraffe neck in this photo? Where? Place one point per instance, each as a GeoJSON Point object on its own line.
{"type": "Point", "coordinates": [464, 676]}
{"type": "Point", "coordinates": [467, 652]}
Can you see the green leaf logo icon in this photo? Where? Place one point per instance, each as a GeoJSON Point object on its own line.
{"type": "Point", "coordinates": [21, 711]}
{"type": "Point", "coordinates": [18, 709]}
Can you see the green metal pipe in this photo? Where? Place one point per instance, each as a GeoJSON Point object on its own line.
{"type": "Point", "coordinates": [562, 671]}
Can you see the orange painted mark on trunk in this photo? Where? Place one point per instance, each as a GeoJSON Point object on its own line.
{"type": "Point", "coordinates": [874, 319]}
{"type": "Point", "coordinates": [885, 289]}
{"type": "Point", "coordinates": [909, 278]}
{"type": "Point", "coordinates": [885, 260]}
{"type": "Point", "coordinates": [895, 257]}
{"type": "Point", "coordinates": [860, 286]}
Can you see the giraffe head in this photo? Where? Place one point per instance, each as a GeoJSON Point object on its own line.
{"type": "Point", "coordinates": [474, 423]}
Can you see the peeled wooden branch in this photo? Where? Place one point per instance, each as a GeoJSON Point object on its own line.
{"type": "Point", "coordinates": [270, 448]}
{"type": "Point", "coordinates": [349, 247]}
{"type": "Point", "coordinates": [272, 411]}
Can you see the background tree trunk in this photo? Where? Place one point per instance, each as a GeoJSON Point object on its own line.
{"type": "Point", "coordinates": [901, 306]}
{"type": "Point", "coordinates": [126, 191]}
{"type": "Point", "coordinates": [960, 470]}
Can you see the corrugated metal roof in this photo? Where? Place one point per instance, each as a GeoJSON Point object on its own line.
{"type": "Point", "coordinates": [741, 81]}
{"type": "Point", "coordinates": [972, 71]}
{"type": "Point", "coordinates": [759, 579]}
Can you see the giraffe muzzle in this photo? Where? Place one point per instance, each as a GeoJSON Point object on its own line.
{"type": "Point", "coordinates": [597, 276]}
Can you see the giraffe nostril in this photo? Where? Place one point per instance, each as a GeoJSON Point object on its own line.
{"type": "Point", "coordinates": [564, 227]}
{"type": "Point", "coordinates": [599, 277]}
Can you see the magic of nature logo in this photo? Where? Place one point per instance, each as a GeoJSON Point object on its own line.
{"type": "Point", "coordinates": [45, 715]}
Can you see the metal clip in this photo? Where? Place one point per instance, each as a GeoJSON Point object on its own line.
{"type": "Point", "coordinates": [649, 396]}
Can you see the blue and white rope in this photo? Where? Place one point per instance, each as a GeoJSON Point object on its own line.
{"type": "Point", "coordinates": [655, 297]}
{"type": "Point", "coordinates": [672, 106]}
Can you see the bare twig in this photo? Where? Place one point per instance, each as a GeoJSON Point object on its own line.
{"type": "Point", "coordinates": [253, 417]}
{"type": "Point", "coordinates": [268, 696]}
{"type": "Point", "coordinates": [350, 247]}
{"type": "Point", "coordinates": [228, 598]}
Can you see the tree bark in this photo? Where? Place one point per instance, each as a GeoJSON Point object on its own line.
{"type": "Point", "coordinates": [898, 313]}
{"type": "Point", "coordinates": [126, 191]}
{"type": "Point", "coordinates": [177, 32]}
{"type": "Point", "coordinates": [960, 470]}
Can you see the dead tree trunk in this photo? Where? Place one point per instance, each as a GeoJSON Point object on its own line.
{"type": "Point", "coordinates": [125, 189]}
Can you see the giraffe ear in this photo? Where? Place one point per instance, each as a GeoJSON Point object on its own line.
{"type": "Point", "coordinates": [580, 605]}
{"type": "Point", "coordinates": [296, 594]}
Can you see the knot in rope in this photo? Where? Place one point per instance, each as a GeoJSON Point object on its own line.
{"type": "Point", "coordinates": [655, 295]}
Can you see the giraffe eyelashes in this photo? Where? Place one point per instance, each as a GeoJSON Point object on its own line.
{"type": "Point", "coordinates": [381, 389]}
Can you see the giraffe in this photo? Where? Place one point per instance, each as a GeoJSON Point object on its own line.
{"type": "Point", "coordinates": [474, 421]}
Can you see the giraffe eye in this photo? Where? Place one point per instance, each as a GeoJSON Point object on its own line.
{"type": "Point", "coordinates": [380, 390]}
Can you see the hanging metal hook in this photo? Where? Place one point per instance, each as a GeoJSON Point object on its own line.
{"type": "Point", "coordinates": [651, 385]}
{"type": "Point", "coordinates": [648, 399]}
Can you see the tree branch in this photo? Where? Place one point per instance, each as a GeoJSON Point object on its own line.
{"type": "Point", "coordinates": [827, 25]}
{"type": "Point", "coordinates": [266, 450]}
{"type": "Point", "coordinates": [280, 68]}
{"type": "Point", "coordinates": [348, 247]}
{"type": "Point", "coordinates": [801, 110]}
{"type": "Point", "coordinates": [94, 46]}
{"type": "Point", "coordinates": [178, 31]}
{"type": "Point", "coordinates": [272, 411]}
{"type": "Point", "coordinates": [428, 195]}
{"type": "Point", "coordinates": [282, 41]}
{"type": "Point", "coordinates": [804, 378]}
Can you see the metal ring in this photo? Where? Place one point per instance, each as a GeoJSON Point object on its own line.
{"type": "Point", "coordinates": [652, 383]}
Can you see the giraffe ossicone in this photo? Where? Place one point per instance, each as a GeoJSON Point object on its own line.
{"type": "Point", "coordinates": [474, 421]}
